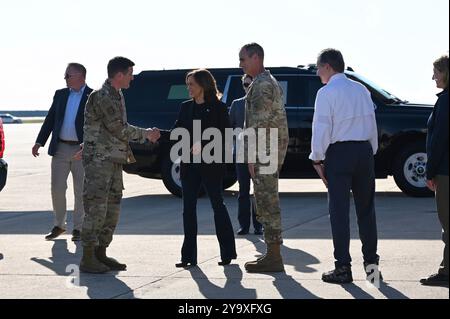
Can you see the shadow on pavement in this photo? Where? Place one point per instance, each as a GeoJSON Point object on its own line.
{"type": "Point", "coordinates": [300, 259]}
{"type": "Point", "coordinates": [289, 288]}
{"type": "Point", "coordinates": [61, 257]}
{"type": "Point", "coordinates": [233, 284]}
{"type": "Point", "coordinates": [286, 285]}
{"type": "Point", "coordinates": [105, 286]}
{"type": "Point", "coordinates": [304, 216]}
{"type": "Point", "coordinates": [302, 262]}
{"type": "Point", "coordinates": [388, 291]}
{"type": "Point", "coordinates": [355, 291]}
{"type": "Point", "coordinates": [65, 263]}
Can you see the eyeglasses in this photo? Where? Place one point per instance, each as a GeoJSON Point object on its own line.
{"type": "Point", "coordinates": [68, 76]}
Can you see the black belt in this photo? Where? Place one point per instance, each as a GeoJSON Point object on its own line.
{"type": "Point", "coordinates": [69, 142]}
{"type": "Point", "coordinates": [350, 142]}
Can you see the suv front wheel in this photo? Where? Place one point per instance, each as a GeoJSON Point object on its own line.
{"type": "Point", "coordinates": [409, 170]}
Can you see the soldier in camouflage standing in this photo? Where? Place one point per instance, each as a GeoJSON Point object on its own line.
{"type": "Point", "coordinates": [105, 149]}
{"type": "Point", "coordinates": [265, 110]}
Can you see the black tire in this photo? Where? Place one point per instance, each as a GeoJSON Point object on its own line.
{"type": "Point", "coordinates": [409, 170]}
{"type": "Point", "coordinates": [170, 173]}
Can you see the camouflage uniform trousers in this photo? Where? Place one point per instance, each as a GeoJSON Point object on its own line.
{"type": "Point", "coordinates": [102, 194]}
{"type": "Point", "coordinates": [268, 211]}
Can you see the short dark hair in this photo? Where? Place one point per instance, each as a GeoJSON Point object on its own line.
{"type": "Point", "coordinates": [77, 67]}
{"type": "Point", "coordinates": [254, 48]}
{"type": "Point", "coordinates": [118, 64]}
{"type": "Point", "coordinates": [206, 80]}
{"type": "Point", "coordinates": [334, 58]}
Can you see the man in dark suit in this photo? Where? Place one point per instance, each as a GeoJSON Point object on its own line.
{"type": "Point", "coordinates": [246, 205]}
{"type": "Point", "coordinates": [65, 121]}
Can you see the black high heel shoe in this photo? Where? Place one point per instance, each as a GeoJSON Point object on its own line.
{"type": "Point", "coordinates": [224, 262]}
{"type": "Point", "coordinates": [185, 265]}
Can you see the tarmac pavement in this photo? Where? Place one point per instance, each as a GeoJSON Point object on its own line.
{"type": "Point", "coordinates": [150, 234]}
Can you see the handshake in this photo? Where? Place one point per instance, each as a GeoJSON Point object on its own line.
{"type": "Point", "coordinates": [153, 134]}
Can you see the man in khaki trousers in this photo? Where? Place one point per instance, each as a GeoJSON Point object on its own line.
{"type": "Point", "coordinates": [65, 121]}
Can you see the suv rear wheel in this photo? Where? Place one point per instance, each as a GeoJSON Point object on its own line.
{"type": "Point", "coordinates": [170, 172]}
{"type": "Point", "coordinates": [409, 170]}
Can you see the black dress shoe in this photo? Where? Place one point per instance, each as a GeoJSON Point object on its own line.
{"type": "Point", "coordinates": [185, 265]}
{"type": "Point", "coordinates": [56, 231]}
{"type": "Point", "coordinates": [258, 231]}
{"type": "Point", "coordinates": [340, 275]}
{"type": "Point", "coordinates": [76, 235]}
{"type": "Point", "coordinates": [224, 262]}
{"type": "Point", "coordinates": [435, 280]}
{"type": "Point", "coordinates": [242, 231]}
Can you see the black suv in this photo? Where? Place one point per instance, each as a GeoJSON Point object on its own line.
{"type": "Point", "coordinates": [154, 100]}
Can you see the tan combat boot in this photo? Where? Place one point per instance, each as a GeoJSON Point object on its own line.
{"type": "Point", "coordinates": [271, 262]}
{"type": "Point", "coordinates": [257, 259]}
{"type": "Point", "coordinates": [100, 253]}
{"type": "Point", "coordinates": [89, 263]}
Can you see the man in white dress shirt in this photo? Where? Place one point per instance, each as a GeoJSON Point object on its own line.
{"type": "Point", "coordinates": [343, 145]}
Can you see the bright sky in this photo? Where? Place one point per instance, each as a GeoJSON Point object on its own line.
{"type": "Point", "coordinates": [391, 42]}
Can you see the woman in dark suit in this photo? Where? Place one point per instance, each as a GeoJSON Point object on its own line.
{"type": "Point", "coordinates": [206, 109]}
{"type": "Point", "coordinates": [438, 162]}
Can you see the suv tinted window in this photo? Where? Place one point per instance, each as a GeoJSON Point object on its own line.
{"type": "Point", "coordinates": [235, 90]}
{"type": "Point", "coordinates": [156, 94]}
{"type": "Point", "coordinates": [178, 92]}
{"type": "Point", "coordinates": [293, 90]}
{"type": "Point", "coordinates": [314, 84]}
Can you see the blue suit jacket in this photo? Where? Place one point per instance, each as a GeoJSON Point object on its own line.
{"type": "Point", "coordinates": [55, 118]}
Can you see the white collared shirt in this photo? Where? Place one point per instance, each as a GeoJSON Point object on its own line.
{"type": "Point", "coordinates": [344, 111]}
{"type": "Point", "coordinates": [68, 131]}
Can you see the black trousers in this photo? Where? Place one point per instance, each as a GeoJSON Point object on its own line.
{"type": "Point", "coordinates": [350, 166]}
{"type": "Point", "coordinates": [245, 206]}
{"type": "Point", "coordinates": [442, 207]}
{"type": "Point", "coordinates": [191, 181]}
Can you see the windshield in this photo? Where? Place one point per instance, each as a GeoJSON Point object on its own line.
{"type": "Point", "coordinates": [384, 94]}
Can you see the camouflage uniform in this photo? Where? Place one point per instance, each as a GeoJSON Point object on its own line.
{"type": "Point", "coordinates": [106, 148]}
{"type": "Point", "coordinates": [265, 109]}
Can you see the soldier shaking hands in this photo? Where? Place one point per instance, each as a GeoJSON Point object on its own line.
{"type": "Point", "coordinates": [106, 148]}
